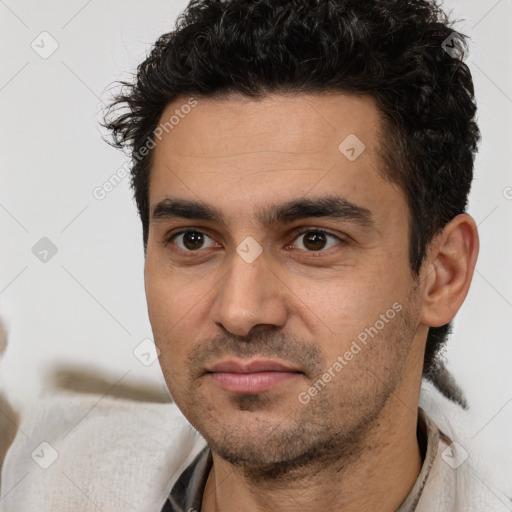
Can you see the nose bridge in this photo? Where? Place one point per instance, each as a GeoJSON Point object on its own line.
{"type": "Point", "coordinates": [249, 294]}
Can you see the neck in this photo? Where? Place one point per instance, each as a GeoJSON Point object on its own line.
{"type": "Point", "coordinates": [376, 474]}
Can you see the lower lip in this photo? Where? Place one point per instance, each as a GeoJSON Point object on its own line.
{"type": "Point", "coordinates": [251, 382]}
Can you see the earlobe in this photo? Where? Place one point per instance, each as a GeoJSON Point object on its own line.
{"type": "Point", "coordinates": [452, 258]}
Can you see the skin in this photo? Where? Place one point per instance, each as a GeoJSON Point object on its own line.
{"type": "Point", "coordinates": [353, 445]}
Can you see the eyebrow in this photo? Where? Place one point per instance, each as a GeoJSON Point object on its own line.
{"type": "Point", "coordinates": [333, 207]}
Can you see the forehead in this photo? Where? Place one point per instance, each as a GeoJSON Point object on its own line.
{"type": "Point", "coordinates": [268, 150]}
{"type": "Point", "coordinates": [304, 123]}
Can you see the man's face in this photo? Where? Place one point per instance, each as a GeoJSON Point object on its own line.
{"type": "Point", "coordinates": [286, 323]}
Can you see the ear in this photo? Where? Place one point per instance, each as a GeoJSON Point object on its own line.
{"type": "Point", "coordinates": [451, 259]}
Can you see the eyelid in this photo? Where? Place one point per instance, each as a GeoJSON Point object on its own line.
{"type": "Point", "coordinates": [307, 229]}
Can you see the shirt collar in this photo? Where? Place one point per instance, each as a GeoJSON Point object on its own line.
{"type": "Point", "coordinates": [187, 493]}
{"type": "Point", "coordinates": [429, 436]}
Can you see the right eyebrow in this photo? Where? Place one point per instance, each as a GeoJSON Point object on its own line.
{"type": "Point", "coordinates": [183, 209]}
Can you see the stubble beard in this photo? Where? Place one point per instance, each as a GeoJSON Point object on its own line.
{"type": "Point", "coordinates": [330, 431]}
{"type": "Point", "coordinates": [310, 443]}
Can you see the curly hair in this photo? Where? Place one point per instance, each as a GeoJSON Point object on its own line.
{"type": "Point", "coordinates": [396, 51]}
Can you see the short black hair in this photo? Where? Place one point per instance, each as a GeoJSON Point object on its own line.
{"type": "Point", "coordinates": [403, 53]}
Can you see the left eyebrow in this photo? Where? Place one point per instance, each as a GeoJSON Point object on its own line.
{"type": "Point", "coordinates": [334, 207]}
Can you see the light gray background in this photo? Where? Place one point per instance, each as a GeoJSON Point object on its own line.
{"type": "Point", "coordinates": [85, 307]}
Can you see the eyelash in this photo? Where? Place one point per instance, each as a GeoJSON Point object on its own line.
{"type": "Point", "coordinates": [297, 234]}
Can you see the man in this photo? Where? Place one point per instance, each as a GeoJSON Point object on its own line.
{"type": "Point", "coordinates": [301, 169]}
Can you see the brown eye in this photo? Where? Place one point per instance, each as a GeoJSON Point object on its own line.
{"type": "Point", "coordinates": [191, 240]}
{"type": "Point", "coordinates": [317, 240]}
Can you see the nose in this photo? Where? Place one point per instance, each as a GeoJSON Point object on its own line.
{"type": "Point", "coordinates": [249, 297]}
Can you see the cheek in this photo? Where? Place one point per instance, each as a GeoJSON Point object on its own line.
{"type": "Point", "coordinates": [352, 304]}
{"type": "Point", "coordinates": [169, 296]}
{"type": "Point", "coordinates": [176, 307]}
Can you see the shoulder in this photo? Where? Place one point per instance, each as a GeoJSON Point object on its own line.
{"type": "Point", "coordinates": [78, 451]}
{"type": "Point", "coordinates": [461, 479]}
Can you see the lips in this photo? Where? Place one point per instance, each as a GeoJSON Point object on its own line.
{"type": "Point", "coordinates": [259, 365]}
{"type": "Point", "coordinates": [255, 376]}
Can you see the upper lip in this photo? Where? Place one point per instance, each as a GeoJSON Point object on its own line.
{"type": "Point", "coordinates": [257, 365]}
